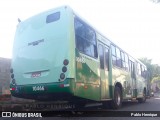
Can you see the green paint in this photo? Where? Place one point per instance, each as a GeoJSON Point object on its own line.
{"type": "Point", "coordinates": [41, 47]}
{"type": "Point", "coordinates": [87, 75]}
{"type": "Point", "coordinates": [57, 43]}
{"type": "Point", "coordinates": [48, 88]}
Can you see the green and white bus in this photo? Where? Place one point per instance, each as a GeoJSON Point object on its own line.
{"type": "Point", "coordinates": [59, 56]}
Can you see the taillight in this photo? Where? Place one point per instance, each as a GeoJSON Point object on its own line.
{"type": "Point", "coordinates": [13, 81]}
{"type": "Point", "coordinates": [11, 70]}
{"type": "Point", "coordinates": [66, 62]}
{"type": "Point", "coordinates": [61, 85]}
{"type": "Point", "coordinates": [12, 89]}
{"type": "Point", "coordinates": [64, 69]}
{"type": "Point", "coordinates": [12, 76]}
{"type": "Point", "coordinates": [62, 76]}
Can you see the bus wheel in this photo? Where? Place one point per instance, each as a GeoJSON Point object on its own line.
{"type": "Point", "coordinates": [117, 100]}
{"type": "Point", "coordinates": [143, 99]}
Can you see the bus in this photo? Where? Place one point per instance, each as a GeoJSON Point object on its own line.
{"type": "Point", "coordinates": [58, 56]}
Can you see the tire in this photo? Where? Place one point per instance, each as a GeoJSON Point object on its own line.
{"type": "Point", "coordinates": [143, 99]}
{"type": "Point", "coordinates": [117, 100]}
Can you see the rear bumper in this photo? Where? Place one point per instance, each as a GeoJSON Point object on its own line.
{"type": "Point", "coordinates": [47, 91]}
{"type": "Point", "coordinates": [59, 96]}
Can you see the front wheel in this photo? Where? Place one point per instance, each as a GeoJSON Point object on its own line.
{"type": "Point", "coordinates": [117, 100]}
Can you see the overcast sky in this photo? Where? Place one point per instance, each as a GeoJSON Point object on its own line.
{"type": "Point", "coordinates": [134, 25]}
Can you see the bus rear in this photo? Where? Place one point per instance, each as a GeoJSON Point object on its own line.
{"type": "Point", "coordinates": [43, 55]}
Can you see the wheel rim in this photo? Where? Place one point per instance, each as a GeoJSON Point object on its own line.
{"type": "Point", "coordinates": [118, 99]}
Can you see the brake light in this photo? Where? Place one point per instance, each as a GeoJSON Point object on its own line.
{"type": "Point", "coordinates": [66, 62]}
{"type": "Point", "coordinates": [12, 89]}
{"type": "Point", "coordinates": [64, 85]}
{"type": "Point", "coordinates": [64, 69]}
{"type": "Point", "coordinates": [61, 85]}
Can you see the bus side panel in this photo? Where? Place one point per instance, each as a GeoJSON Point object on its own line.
{"type": "Point", "coordinates": [87, 77]}
{"type": "Point", "coordinates": [123, 77]}
{"type": "Point", "coordinates": [140, 83]}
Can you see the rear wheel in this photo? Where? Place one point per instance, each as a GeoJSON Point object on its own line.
{"type": "Point", "coordinates": [117, 100]}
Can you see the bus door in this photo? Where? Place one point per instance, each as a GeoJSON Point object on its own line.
{"type": "Point", "coordinates": [104, 67]}
{"type": "Point", "coordinates": [133, 78]}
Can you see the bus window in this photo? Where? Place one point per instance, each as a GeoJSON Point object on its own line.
{"type": "Point", "coordinates": [143, 71]}
{"type": "Point", "coordinates": [126, 62]}
{"type": "Point", "coordinates": [138, 69]}
{"type": "Point", "coordinates": [131, 65]}
{"type": "Point", "coordinates": [85, 39]}
{"type": "Point", "coordinates": [101, 56]}
{"type": "Point", "coordinates": [123, 60]}
{"type": "Point", "coordinates": [53, 17]}
{"type": "Point", "coordinates": [107, 58]}
{"type": "Point", "coordinates": [118, 53]}
{"type": "Point", "coordinates": [113, 48]}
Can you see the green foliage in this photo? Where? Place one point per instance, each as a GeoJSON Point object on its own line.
{"type": "Point", "coordinates": [156, 79]}
{"type": "Point", "coordinates": [148, 63]}
{"type": "Point", "coordinates": [153, 69]}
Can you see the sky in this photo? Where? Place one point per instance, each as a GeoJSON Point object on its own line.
{"type": "Point", "coordinates": [134, 25]}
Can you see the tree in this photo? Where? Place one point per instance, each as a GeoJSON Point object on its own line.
{"type": "Point", "coordinates": [148, 63]}
{"type": "Point", "coordinates": [156, 69]}
{"type": "Point", "coordinates": [153, 70]}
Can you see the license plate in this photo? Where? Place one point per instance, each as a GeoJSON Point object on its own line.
{"type": "Point", "coordinates": [38, 88]}
{"type": "Point", "coordinates": [36, 74]}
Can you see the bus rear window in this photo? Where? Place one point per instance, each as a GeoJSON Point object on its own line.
{"type": "Point", "coordinates": [53, 17]}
